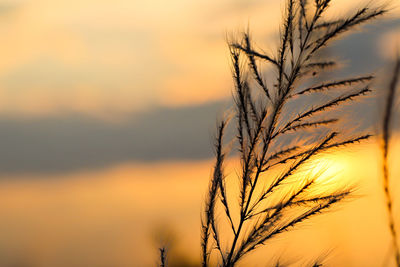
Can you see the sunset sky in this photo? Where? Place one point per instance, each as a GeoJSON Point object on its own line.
{"type": "Point", "coordinates": [107, 112]}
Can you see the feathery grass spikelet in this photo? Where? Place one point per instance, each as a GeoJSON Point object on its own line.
{"type": "Point", "coordinates": [278, 203]}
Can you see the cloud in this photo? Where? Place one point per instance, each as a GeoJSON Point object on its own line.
{"type": "Point", "coordinates": [71, 142]}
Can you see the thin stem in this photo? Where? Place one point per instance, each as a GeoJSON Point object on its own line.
{"type": "Point", "coordinates": [163, 257]}
{"type": "Point", "coordinates": [386, 138]}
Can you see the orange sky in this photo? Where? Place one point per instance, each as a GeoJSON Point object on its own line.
{"type": "Point", "coordinates": [115, 216]}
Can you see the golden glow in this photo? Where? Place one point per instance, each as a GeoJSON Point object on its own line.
{"type": "Point", "coordinates": [50, 219]}
{"type": "Point", "coordinates": [330, 168]}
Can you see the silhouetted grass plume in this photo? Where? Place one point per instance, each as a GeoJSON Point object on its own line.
{"type": "Point", "coordinates": [265, 118]}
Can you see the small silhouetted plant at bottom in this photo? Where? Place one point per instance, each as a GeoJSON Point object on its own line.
{"type": "Point", "coordinates": [163, 257]}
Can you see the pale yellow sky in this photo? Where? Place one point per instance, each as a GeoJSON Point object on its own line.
{"type": "Point", "coordinates": [100, 57]}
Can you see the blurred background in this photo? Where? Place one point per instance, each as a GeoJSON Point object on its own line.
{"type": "Point", "coordinates": [107, 112]}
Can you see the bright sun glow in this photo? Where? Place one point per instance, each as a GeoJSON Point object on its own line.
{"type": "Point", "coordinates": [329, 169]}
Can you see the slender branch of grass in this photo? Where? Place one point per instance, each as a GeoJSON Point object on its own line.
{"type": "Point", "coordinates": [320, 65]}
{"type": "Point", "coordinates": [359, 17]}
{"type": "Point", "coordinates": [328, 24]}
{"type": "Point", "coordinates": [306, 125]}
{"type": "Point", "coordinates": [327, 147]}
{"type": "Point", "coordinates": [253, 65]}
{"type": "Point", "coordinates": [330, 104]}
{"type": "Point", "coordinates": [255, 53]}
{"type": "Point", "coordinates": [208, 223]}
{"type": "Point", "coordinates": [340, 83]}
{"type": "Point", "coordinates": [386, 138]}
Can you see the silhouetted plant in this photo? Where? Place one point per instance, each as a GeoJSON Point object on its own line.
{"type": "Point", "coordinates": [265, 116]}
{"type": "Point", "coordinates": [163, 257]}
{"type": "Point", "coordinates": [386, 126]}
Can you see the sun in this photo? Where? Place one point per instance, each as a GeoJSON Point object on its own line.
{"type": "Point", "coordinates": [330, 168]}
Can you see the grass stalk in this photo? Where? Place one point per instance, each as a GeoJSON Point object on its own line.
{"type": "Point", "coordinates": [385, 153]}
